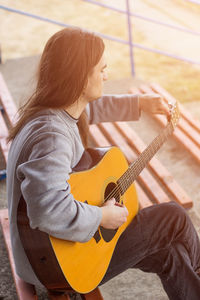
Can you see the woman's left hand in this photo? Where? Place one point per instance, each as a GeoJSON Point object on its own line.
{"type": "Point", "coordinates": [153, 104]}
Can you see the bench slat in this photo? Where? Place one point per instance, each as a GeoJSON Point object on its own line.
{"type": "Point", "coordinates": [3, 135]}
{"type": "Point", "coordinates": [4, 129]}
{"type": "Point", "coordinates": [4, 148]}
{"type": "Point", "coordinates": [182, 139]}
{"type": "Point", "coordinates": [97, 136]}
{"type": "Point", "coordinates": [24, 290]}
{"type": "Point", "coordinates": [7, 101]}
{"type": "Point", "coordinates": [144, 200]}
{"type": "Point", "coordinates": [94, 295]}
{"type": "Point", "coordinates": [189, 131]}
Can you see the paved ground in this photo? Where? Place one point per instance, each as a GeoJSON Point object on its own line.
{"type": "Point", "coordinates": [132, 284]}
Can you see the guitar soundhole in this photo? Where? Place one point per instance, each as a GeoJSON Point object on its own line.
{"type": "Point", "coordinates": [108, 234]}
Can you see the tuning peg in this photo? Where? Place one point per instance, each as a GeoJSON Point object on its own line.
{"type": "Point", "coordinates": [170, 104]}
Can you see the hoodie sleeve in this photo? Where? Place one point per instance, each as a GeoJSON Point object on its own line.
{"type": "Point", "coordinates": [111, 108]}
{"type": "Point", "coordinates": [44, 186]}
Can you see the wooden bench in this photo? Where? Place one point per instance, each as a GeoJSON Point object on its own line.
{"type": "Point", "coordinates": [154, 185]}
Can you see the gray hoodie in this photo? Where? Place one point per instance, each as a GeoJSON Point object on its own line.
{"type": "Point", "coordinates": [41, 157]}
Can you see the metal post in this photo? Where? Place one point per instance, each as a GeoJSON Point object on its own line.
{"type": "Point", "coordinates": [130, 38]}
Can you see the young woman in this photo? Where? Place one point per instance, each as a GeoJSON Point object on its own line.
{"type": "Point", "coordinates": [47, 143]}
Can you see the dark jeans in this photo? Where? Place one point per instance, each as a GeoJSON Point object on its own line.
{"type": "Point", "coordinates": [162, 240]}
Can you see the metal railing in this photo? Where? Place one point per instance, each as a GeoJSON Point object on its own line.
{"type": "Point", "coordinates": [194, 1]}
{"type": "Point", "coordinates": [128, 42]}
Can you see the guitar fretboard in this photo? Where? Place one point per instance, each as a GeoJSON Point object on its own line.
{"type": "Point", "coordinates": [140, 163]}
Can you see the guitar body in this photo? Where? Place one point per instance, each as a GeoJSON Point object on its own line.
{"type": "Point", "coordinates": [61, 264]}
{"type": "Point", "coordinates": [84, 264]}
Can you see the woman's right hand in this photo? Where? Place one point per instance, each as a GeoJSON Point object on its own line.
{"type": "Point", "coordinates": [113, 215]}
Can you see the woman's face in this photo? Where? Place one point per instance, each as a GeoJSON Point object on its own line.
{"type": "Point", "coordinates": [94, 88]}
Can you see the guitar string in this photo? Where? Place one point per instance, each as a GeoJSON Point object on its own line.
{"type": "Point", "coordinates": [125, 184]}
{"type": "Point", "coordinates": [129, 174]}
{"type": "Point", "coordinates": [126, 177]}
{"type": "Point", "coordinates": [146, 156]}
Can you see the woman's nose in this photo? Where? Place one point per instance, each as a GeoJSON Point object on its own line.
{"type": "Point", "coordinates": [105, 76]}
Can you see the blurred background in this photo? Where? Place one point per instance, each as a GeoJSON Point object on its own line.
{"type": "Point", "coordinates": [166, 26]}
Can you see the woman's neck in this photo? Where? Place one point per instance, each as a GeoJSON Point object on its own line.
{"type": "Point", "coordinates": [76, 109]}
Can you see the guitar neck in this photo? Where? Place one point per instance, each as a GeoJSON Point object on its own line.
{"type": "Point", "coordinates": [140, 163]}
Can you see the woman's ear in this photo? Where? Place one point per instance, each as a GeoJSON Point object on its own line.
{"type": "Point", "coordinates": [84, 88]}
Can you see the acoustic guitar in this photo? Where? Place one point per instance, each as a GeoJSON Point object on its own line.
{"type": "Point", "coordinates": [100, 175]}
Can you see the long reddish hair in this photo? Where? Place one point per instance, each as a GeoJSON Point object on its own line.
{"type": "Point", "coordinates": [68, 58]}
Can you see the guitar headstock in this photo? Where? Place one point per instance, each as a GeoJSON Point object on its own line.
{"type": "Point", "coordinates": [174, 113]}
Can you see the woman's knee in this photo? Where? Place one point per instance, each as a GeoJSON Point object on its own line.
{"type": "Point", "coordinates": [173, 208]}
{"type": "Point", "coordinates": [180, 222]}
{"type": "Point", "coordinates": [166, 219]}
{"type": "Point", "coordinates": [164, 211]}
